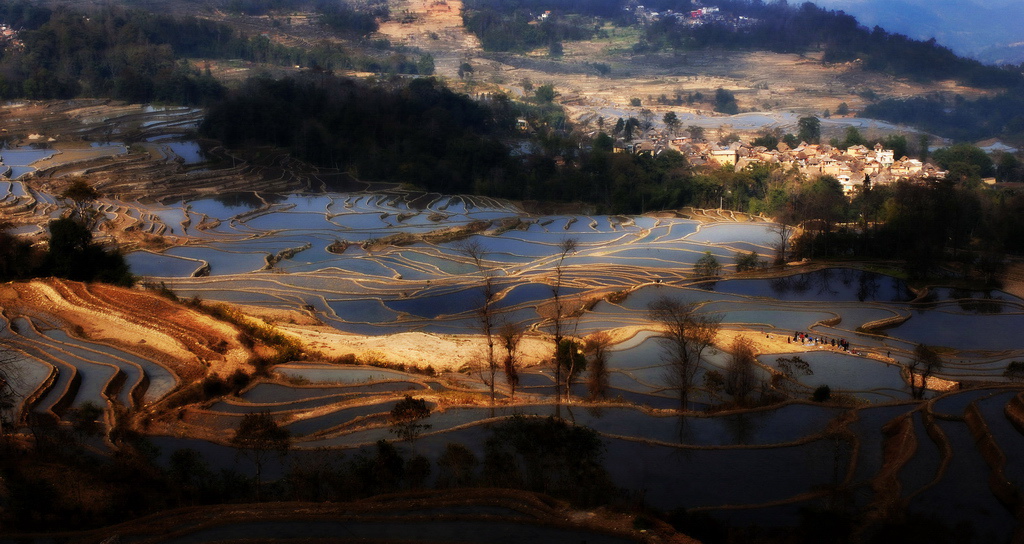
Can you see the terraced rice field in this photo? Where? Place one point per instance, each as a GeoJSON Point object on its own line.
{"type": "Point", "coordinates": [383, 263]}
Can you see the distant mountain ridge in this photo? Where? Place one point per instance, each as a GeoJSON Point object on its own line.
{"type": "Point", "coordinates": [988, 31]}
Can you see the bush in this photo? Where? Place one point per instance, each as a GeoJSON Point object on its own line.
{"type": "Point", "coordinates": [822, 393]}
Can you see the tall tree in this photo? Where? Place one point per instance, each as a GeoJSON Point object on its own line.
{"type": "Point", "coordinates": [596, 346]}
{"type": "Point", "coordinates": [476, 253]}
{"type": "Point", "coordinates": [573, 361]}
{"type": "Point", "coordinates": [457, 466]}
{"type": "Point", "coordinates": [511, 334]}
{"type": "Point", "coordinates": [740, 374]}
{"type": "Point", "coordinates": [258, 438]}
{"type": "Point", "coordinates": [686, 334]}
{"type": "Point", "coordinates": [809, 129]}
{"type": "Point", "coordinates": [672, 122]}
{"type": "Point", "coordinates": [559, 312]}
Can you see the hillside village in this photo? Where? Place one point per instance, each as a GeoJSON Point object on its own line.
{"type": "Point", "coordinates": [853, 167]}
{"type": "Point", "coordinates": [696, 17]}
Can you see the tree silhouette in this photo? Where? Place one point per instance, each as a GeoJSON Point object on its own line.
{"type": "Point", "coordinates": [559, 314]}
{"type": "Point", "coordinates": [258, 437]}
{"type": "Point", "coordinates": [81, 195]}
{"type": "Point", "coordinates": [740, 376]}
{"type": "Point", "coordinates": [476, 253]}
{"type": "Point", "coordinates": [406, 416]}
{"type": "Point", "coordinates": [707, 267]}
{"type": "Point", "coordinates": [809, 129]}
{"type": "Point", "coordinates": [511, 334]}
{"type": "Point", "coordinates": [686, 334]}
{"type": "Point", "coordinates": [926, 361]}
{"type": "Point", "coordinates": [596, 346]}
{"type": "Point", "coordinates": [671, 121]}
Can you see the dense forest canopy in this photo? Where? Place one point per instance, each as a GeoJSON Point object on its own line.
{"type": "Point", "coordinates": [417, 131]}
{"type": "Point", "coordinates": [782, 28]}
{"type": "Point", "coordinates": [771, 26]}
{"type": "Point", "coordinates": [523, 25]}
{"type": "Point", "coordinates": [137, 56]}
{"type": "Point", "coordinates": [955, 117]}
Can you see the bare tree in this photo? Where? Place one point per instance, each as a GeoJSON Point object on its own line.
{"type": "Point", "coordinates": [783, 233]}
{"type": "Point", "coordinates": [476, 253]}
{"type": "Point", "coordinates": [511, 334]}
{"type": "Point", "coordinates": [791, 369]}
{"type": "Point", "coordinates": [927, 362]}
{"type": "Point", "coordinates": [686, 335]}
{"type": "Point", "coordinates": [567, 246]}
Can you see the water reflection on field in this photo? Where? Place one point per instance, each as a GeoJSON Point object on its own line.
{"type": "Point", "coordinates": [375, 264]}
{"type": "Point", "coordinates": [384, 273]}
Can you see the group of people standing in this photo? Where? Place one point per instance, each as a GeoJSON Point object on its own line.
{"type": "Point", "coordinates": [804, 338]}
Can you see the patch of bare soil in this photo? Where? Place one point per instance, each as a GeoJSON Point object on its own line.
{"type": "Point", "coordinates": [442, 352]}
{"type": "Point", "coordinates": [435, 27]}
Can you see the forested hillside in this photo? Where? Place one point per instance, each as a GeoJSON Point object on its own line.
{"type": "Point", "coordinates": [138, 56]}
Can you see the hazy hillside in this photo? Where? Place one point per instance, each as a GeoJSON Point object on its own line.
{"type": "Point", "coordinates": [988, 31]}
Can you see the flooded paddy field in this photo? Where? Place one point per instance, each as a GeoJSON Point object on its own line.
{"type": "Point", "coordinates": [370, 272]}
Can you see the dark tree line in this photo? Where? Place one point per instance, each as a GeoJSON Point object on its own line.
{"type": "Point", "coordinates": [544, 455]}
{"type": "Point", "coordinates": [519, 30]}
{"type": "Point", "coordinates": [783, 28]}
{"type": "Point", "coordinates": [417, 131]}
{"type": "Point", "coordinates": [514, 26]}
{"type": "Point", "coordinates": [114, 53]}
{"type": "Point", "coordinates": [956, 117]}
{"type": "Point", "coordinates": [337, 15]}
{"type": "Point", "coordinates": [924, 225]}
{"type": "Point", "coordinates": [137, 56]}
{"type": "Point", "coordinates": [609, 8]}
{"type": "Point", "coordinates": [71, 254]}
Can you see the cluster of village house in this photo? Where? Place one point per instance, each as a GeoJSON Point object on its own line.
{"type": "Point", "coordinates": [852, 167]}
{"type": "Point", "coordinates": [698, 16]}
{"type": "Point", "coordinates": [9, 37]}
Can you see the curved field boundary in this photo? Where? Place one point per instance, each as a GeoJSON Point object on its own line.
{"type": "Point", "coordinates": [120, 378]}
{"type": "Point", "coordinates": [941, 441]}
{"type": "Point", "coordinates": [57, 350]}
{"type": "Point", "coordinates": [32, 399]}
{"type": "Point", "coordinates": [1007, 494]}
{"type": "Point", "coordinates": [886, 323]}
{"type": "Point", "coordinates": [899, 446]}
{"type": "Point", "coordinates": [1014, 411]}
{"type": "Point", "coordinates": [67, 397]}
